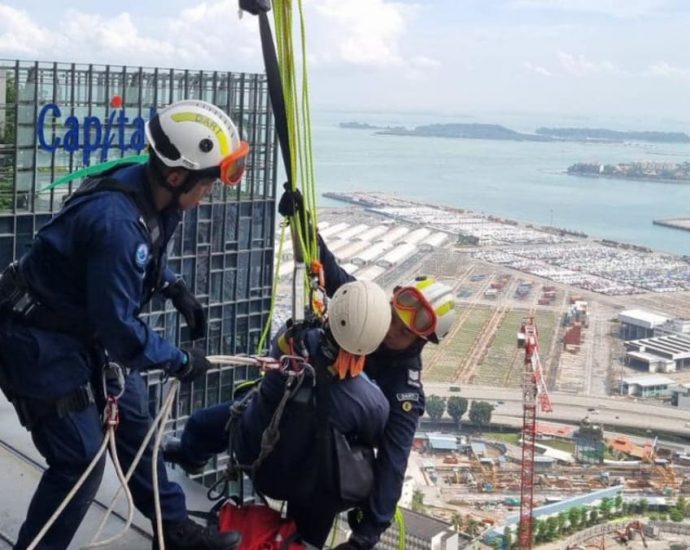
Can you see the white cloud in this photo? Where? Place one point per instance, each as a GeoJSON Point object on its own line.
{"type": "Point", "coordinates": [615, 8]}
{"type": "Point", "coordinates": [666, 70]}
{"type": "Point", "coordinates": [20, 35]}
{"type": "Point", "coordinates": [538, 69]}
{"type": "Point", "coordinates": [579, 65]}
{"type": "Point", "coordinates": [362, 32]}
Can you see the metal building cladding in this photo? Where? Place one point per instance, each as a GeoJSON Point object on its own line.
{"type": "Point", "coordinates": [56, 118]}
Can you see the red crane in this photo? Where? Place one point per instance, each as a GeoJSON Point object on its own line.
{"type": "Point", "coordinates": [533, 393]}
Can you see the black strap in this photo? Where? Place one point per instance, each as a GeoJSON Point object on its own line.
{"type": "Point", "coordinates": [149, 216]}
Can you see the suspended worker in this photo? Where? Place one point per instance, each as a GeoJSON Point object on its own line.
{"type": "Point", "coordinates": [423, 310]}
{"type": "Point", "coordinates": [72, 303]}
{"type": "Point", "coordinates": [353, 410]}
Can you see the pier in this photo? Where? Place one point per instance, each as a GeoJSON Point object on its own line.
{"type": "Point", "coordinates": [674, 223]}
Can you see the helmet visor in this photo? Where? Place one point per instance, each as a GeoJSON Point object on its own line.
{"type": "Point", "coordinates": [232, 166]}
{"type": "Point", "coordinates": [415, 311]}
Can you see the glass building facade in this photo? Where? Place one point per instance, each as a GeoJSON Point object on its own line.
{"type": "Point", "coordinates": [56, 118]}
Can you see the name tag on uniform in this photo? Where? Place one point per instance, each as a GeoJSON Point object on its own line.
{"type": "Point", "coordinates": [411, 396]}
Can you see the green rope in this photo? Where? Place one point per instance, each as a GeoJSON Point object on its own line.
{"type": "Point", "coordinates": [400, 520]}
{"type": "Point", "coordinates": [298, 119]}
{"type": "Point", "coordinates": [96, 169]}
{"type": "Point", "coordinates": [267, 327]}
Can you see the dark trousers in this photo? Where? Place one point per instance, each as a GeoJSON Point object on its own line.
{"type": "Point", "coordinates": [68, 445]}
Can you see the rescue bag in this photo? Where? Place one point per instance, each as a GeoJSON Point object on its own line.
{"type": "Point", "coordinates": [261, 527]}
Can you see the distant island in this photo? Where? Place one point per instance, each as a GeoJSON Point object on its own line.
{"type": "Point", "coordinates": [652, 171]}
{"type": "Point", "coordinates": [602, 134]}
{"type": "Point", "coordinates": [498, 132]}
{"type": "Point", "coordinates": [466, 131]}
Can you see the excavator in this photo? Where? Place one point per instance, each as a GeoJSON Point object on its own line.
{"type": "Point", "coordinates": [628, 532]}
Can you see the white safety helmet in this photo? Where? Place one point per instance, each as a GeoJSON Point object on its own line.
{"type": "Point", "coordinates": [359, 315]}
{"type": "Point", "coordinates": [200, 137]}
{"type": "Point", "coordinates": [426, 307]}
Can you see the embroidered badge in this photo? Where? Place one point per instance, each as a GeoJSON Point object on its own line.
{"type": "Point", "coordinates": [407, 406]}
{"type": "Point", "coordinates": [413, 378]}
{"type": "Point", "coordinates": [141, 256]}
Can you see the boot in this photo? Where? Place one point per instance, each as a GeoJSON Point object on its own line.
{"type": "Point", "coordinates": [189, 535]}
{"type": "Point", "coordinates": [172, 452]}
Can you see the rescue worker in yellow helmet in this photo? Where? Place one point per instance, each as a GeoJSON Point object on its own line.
{"type": "Point", "coordinates": [77, 295]}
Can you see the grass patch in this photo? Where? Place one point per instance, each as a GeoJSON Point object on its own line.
{"type": "Point", "coordinates": [567, 446]}
{"type": "Point", "coordinates": [505, 437]}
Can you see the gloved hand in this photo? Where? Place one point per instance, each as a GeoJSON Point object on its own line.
{"type": "Point", "coordinates": [191, 309]}
{"type": "Point", "coordinates": [347, 546]}
{"type": "Point", "coordinates": [195, 367]}
{"type": "Point", "coordinates": [291, 202]}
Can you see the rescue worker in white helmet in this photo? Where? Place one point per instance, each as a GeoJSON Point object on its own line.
{"type": "Point", "coordinates": [77, 294]}
{"type": "Point", "coordinates": [352, 405]}
{"type": "Point", "coordinates": [423, 311]}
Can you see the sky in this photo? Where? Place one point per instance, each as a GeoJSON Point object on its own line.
{"type": "Point", "coordinates": [452, 57]}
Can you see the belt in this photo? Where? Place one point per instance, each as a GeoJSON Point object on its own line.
{"type": "Point", "coordinates": [31, 411]}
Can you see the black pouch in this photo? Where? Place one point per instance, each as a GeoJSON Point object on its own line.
{"type": "Point", "coordinates": [355, 469]}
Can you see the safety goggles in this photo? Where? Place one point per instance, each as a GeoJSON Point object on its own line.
{"type": "Point", "coordinates": [415, 311]}
{"type": "Point", "coordinates": [232, 166]}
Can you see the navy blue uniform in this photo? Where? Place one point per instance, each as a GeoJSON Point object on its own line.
{"type": "Point", "coordinates": [92, 263]}
{"type": "Point", "coordinates": [357, 408]}
{"type": "Point", "coordinates": [398, 374]}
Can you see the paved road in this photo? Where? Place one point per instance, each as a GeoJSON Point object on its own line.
{"type": "Point", "coordinates": [611, 411]}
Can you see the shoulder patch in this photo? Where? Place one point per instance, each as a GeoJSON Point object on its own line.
{"type": "Point", "coordinates": [413, 378]}
{"type": "Point", "coordinates": [141, 256]}
{"type": "Point", "coordinates": [407, 406]}
{"type": "Point", "coordinates": [409, 396]}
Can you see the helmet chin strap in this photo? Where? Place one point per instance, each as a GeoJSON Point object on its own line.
{"type": "Point", "coordinates": [190, 182]}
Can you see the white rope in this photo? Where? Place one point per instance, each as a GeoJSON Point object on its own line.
{"type": "Point", "coordinates": [135, 463]}
{"type": "Point", "coordinates": [239, 360]}
{"type": "Point", "coordinates": [71, 494]}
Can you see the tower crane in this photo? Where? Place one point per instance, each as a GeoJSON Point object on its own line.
{"type": "Point", "coordinates": [534, 393]}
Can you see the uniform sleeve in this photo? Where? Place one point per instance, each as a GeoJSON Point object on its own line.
{"type": "Point", "coordinates": [117, 257]}
{"type": "Point", "coordinates": [335, 275]}
{"type": "Point", "coordinates": [406, 407]}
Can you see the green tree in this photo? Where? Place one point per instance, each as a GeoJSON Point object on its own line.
{"type": "Point", "coordinates": [574, 517]}
{"type": "Point", "coordinates": [507, 537]}
{"type": "Point", "coordinates": [552, 528]}
{"type": "Point", "coordinates": [480, 413]}
{"type": "Point", "coordinates": [643, 504]}
{"type": "Point", "coordinates": [593, 516]}
{"type": "Point", "coordinates": [682, 505]}
{"type": "Point", "coordinates": [456, 406]}
{"type": "Point", "coordinates": [7, 135]}
{"type": "Point", "coordinates": [417, 501]}
{"type": "Point", "coordinates": [435, 406]}
{"type": "Point", "coordinates": [618, 503]}
{"type": "Point", "coordinates": [675, 514]}
{"type": "Point", "coordinates": [605, 507]}
{"type": "Point", "coordinates": [562, 519]}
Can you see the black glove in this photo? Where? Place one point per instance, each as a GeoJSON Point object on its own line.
{"type": "Point", "coordinates": [291, 202]}
{"type": "Point", "coordinates": [347, 546]}
{"type": "Point", "coordinates": [191, 309]}
{"type": "Point", "coordinates": [195, 367]}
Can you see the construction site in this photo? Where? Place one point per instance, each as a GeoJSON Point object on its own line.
{"type": "Point", "coordinates": [590, 447]}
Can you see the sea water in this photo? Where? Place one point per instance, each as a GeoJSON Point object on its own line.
{"type": "Point", "coordinates": [520, 180]}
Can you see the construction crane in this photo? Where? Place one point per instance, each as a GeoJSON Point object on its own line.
{"type": "Point", "coordinates": [534, 393]}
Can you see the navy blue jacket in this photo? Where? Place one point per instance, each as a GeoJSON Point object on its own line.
{"type": "Point", "coordinates": [356, 408]}
{"type": "Point", "coordinates": [92, 263]}
{"type": "Point", "coordinates": [398, 374]}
